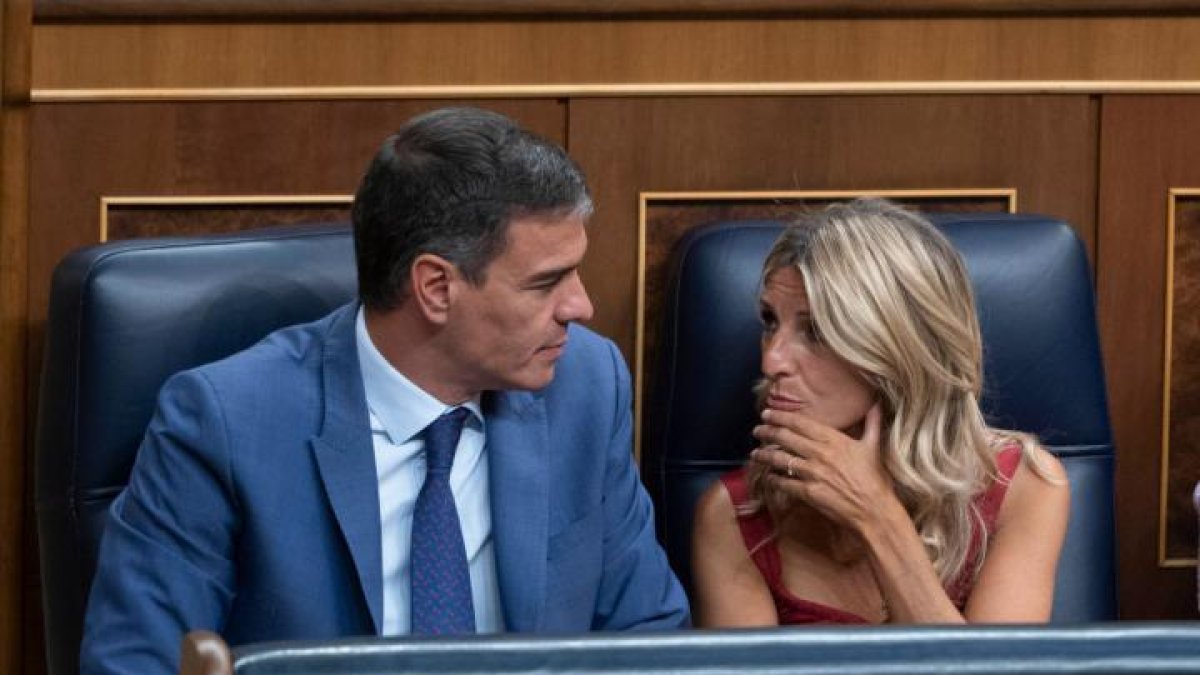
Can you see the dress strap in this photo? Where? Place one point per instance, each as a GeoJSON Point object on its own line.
{"type": "Point", "coordinates": [989, 503]}
{"type": "Point", "coordinates": [757, 528]}
{"type": "Point", "coordinates": [1007, 462]}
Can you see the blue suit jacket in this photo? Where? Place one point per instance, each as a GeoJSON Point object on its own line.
{"type": "Point", "coordinates": [253, 507]}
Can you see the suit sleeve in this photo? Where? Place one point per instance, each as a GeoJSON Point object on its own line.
{"type": "Point", "coordinates": [165, 564]}
{"type": "Point", "coordinates": [638, 590]}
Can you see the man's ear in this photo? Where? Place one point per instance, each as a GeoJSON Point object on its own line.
{"type": "Point", "coordinates": [432, 277]}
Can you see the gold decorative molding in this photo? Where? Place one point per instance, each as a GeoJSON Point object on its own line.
{"type": "Point", "coordinates": [108, 202]}
{"type": "Point", "coordinates": [603, 90]}
{"type": "Point", "coordinates": [647, 199]}
{"type": "Point", "coordinates": [1173, 195]}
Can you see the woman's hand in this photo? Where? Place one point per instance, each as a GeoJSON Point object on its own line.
{"type": "Point", "coordinates": [840, 476]}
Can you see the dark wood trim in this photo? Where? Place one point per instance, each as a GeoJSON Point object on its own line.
{"type": "Point", "coordinates": [16, 21]}
{"type": "Point", "coordinates": [169, 10]}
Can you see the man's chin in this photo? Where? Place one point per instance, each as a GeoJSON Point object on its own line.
{"type": "Point", "coordinates": [533, 380]}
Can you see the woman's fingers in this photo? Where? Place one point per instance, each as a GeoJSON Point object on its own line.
{"type": "Point", "coordinates": [873, 426]}
{"type": "Point", "coordinates": [778, 460]}
{"type": "Point", "coordinates": [788, 441]}
{"type": "Point", "coordinates": [798, 423]}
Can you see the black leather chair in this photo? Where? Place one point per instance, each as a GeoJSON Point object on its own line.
{"type": "Point", "coordinates": [123, 317]}
{"type": "Point", "coordinates": [1141, 648]}
{"type": "Point", "coordinates": [1042, 367]}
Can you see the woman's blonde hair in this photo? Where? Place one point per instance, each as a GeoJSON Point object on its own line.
{"type": "Point", "coordinates": [890, 295]}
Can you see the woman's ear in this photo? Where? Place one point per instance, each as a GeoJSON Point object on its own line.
{"type": "Point", "coordinates": [873, 424]}
{"type": "Point", "coordinates": [431, 277]}
{"type": "Point", "coordinates": [887, 411]}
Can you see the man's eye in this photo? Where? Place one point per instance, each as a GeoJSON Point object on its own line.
{"type": "Point", "coordinates": [545, 285]}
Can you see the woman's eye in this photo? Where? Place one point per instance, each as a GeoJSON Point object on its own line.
{"type": "Point", "coordinates": [809, 333]}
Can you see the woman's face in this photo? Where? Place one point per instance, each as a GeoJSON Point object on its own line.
{"type": "Point", "coordinates": [802, 373]}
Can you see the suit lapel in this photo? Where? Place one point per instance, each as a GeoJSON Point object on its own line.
{"type": "Point", "coordinates": [346, 459]}
{"type": "Point", "coordinates": [518, 460]}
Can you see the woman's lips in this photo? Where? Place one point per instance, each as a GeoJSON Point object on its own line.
{"type": "Point", "coordinates": [778, 402]}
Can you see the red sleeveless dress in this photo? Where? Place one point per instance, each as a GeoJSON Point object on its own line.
{"type": "Point", "coordinates": [757, 528]}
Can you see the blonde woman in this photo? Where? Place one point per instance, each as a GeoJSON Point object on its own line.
{"type": "Point", "coordinates": [877, 493]}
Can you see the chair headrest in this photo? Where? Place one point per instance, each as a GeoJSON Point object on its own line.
{"type": "Point", "coordinates": [1033, 292]}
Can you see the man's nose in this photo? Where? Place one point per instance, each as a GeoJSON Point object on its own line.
{"type": "Point", "coordinates": [576, 305]}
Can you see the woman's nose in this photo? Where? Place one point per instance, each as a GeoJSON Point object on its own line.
{"type": "Point", "coordinates": [775, 357]}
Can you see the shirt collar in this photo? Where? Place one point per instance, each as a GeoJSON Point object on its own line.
{"type": "Point", "coordinates": [400, 406]}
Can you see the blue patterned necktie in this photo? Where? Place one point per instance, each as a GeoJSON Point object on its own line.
{"type": "Point", "coordinates": [441, 580]}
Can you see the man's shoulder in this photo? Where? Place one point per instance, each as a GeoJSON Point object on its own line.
{"type": "Point", "coordinates": [296, 348]}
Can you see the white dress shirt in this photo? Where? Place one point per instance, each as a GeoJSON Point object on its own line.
{"type": "Point", "coordinates": [400, 411]}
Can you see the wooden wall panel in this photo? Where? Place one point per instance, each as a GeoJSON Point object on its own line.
{"type": "Point", "coordinates": [1149, 145]}
{"type": "Point", "coordinates": [129, 219]}
{"type": "Point", "coordinates": [1042, 146]}
{"type": "Point", "coordinates": [15, 30]}
{"type": "Point", "coordinates": [1180, 468]}
{"type": "Point", "coordinates": [522, 51]}
{"type": "Point", "coordinates": [83, 152]}
{"type": "Point", "coordinates": [99, 10]}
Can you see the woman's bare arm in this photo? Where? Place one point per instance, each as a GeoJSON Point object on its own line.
{"type": "Point", "coordinates": [728, 589]}
{"type": "Point", "coordinates": [842, 477]}
{"type": "Point", "coordinates": [1016, 583]}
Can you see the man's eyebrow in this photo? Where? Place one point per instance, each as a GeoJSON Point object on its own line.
{"type": "Point", "coordinates": [553, 274]}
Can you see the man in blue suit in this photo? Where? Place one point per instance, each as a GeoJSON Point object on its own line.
{"type": "Point", "coordinates": [281, 493]}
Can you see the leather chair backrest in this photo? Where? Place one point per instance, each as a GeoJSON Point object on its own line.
{"type": "Point", "coordinates": [124, 316]}
{"type": "Point", "coordinates": [1042, 367]}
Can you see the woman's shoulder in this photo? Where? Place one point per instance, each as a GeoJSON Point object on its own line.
{"type": "Point", "coordinates": [717, 529]}
{"type": "Point", "coordinates": [1036, 480]}
{"type": "Point", "coordinates": [722, 498]}
{"type": "Point", "coordinates": [1017, 453]}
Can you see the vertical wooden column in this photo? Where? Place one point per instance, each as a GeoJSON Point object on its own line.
{"type": "Point", "coordinates": [16, 19]}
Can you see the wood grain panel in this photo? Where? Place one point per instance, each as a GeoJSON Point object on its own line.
{"type": "Point", "coordinates": [131, 220]}
{"type": "Point", "coordinates": [1181, 423]}
{"type": "Point", "coordinates": [1042, 146]}
{"type": "Point", "coordinates": [612, 51]}
{"type": "Point", "coordinates": [92, 10]}
{"type": "Point", "coordinates": [15, 35]}
{"type": "Point", "coordinates": [1148, 145]}
{"type": "Point", "coordinates": [83, 152]}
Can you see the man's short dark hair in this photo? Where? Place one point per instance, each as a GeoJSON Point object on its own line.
{"type": "Point", "coordinates": [449, 182]}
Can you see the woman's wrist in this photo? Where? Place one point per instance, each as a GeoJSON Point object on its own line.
{"type": "Point", "coordinates": [884, 520]}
